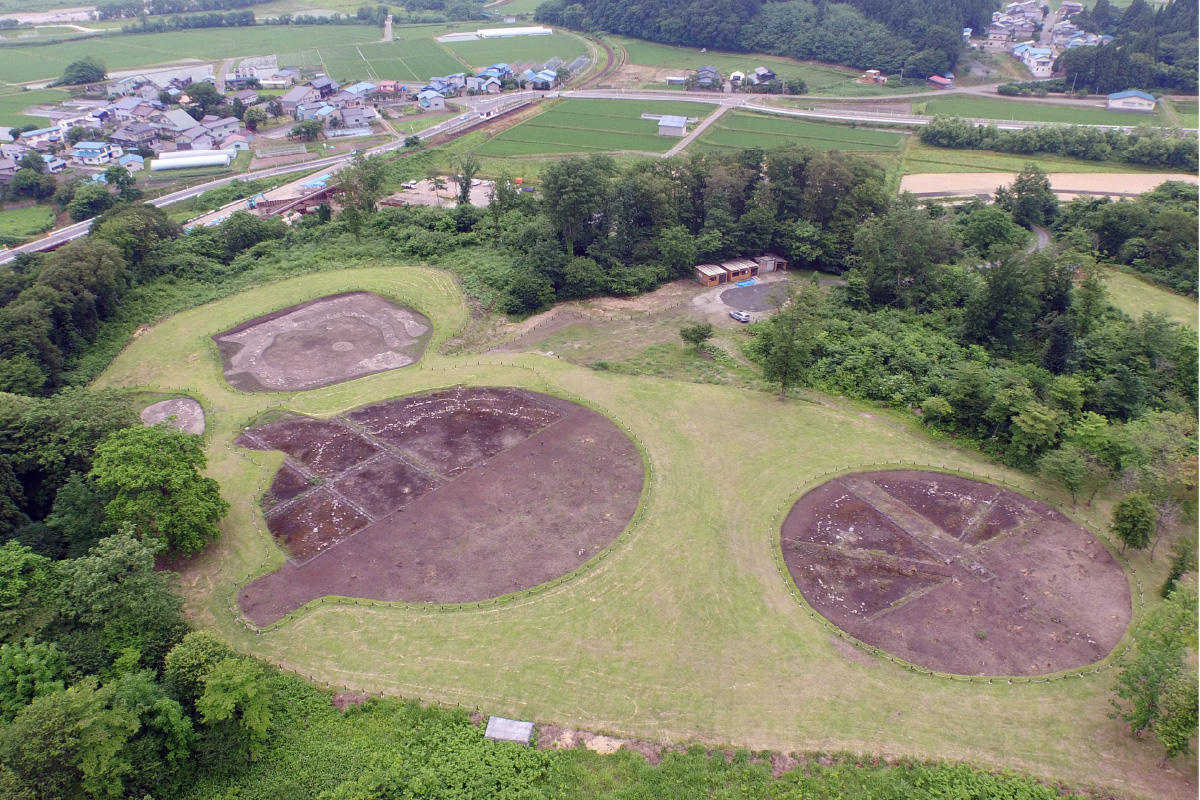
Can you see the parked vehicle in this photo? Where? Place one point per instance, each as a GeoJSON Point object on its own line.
{"type": "Point", "coordinates": [740, 316]}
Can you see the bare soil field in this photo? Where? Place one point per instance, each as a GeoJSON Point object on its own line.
{"type": "Point", "coordinates": [324, 341]}
{"type": "Point", "coordinates": [1065, 184]}
{"type": "Point", "coordinates": [451, 497]}
{"type": "Point", "coordinates": [183, 413]}
{"type": "Point", "coordinates": [956, 575]}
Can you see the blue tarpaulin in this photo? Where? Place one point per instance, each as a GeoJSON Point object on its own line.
{"type": "Point", "coordinates": [750, 282]}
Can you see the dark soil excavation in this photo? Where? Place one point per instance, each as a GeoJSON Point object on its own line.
{"type": "Point", "coordinates": [183, 413]}
{"type": "Point", "coordinates": [956, 575]}
{"type": "Point", "coordinates": [330, 340]}
{"type": "Point", "coordinates": [760, 297]}
{"type": "Point", "coordinates": [452, 497]}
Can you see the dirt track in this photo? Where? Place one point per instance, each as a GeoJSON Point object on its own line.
{"type": "Point", "coordinates": [951, 184]}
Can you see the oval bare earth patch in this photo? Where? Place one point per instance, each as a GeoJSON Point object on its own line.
{"type": "Point", "coordinates": [183, 413]}
{"type": "Point", "coordinates": [956, 575]}
{"type": "Point", "coordinates": [452, 497]}
{"type": "Point", "coordinates": [330, 340]}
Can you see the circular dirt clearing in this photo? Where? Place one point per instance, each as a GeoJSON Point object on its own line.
{"type": "Point", "coordinates": [451, 497]}
{"type": "Point", "coordinates": [956, 575]}
{"type": "Point", "coordinates": [324, 341]}
{"type": "Point", "coordinates": [183, 413]}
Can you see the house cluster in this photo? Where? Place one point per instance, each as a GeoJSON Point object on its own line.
{"type": "Point", "coordinates": [1018, 21]}
{"type": "Point", "coordinates": [334, 106]}
{"type": "Point", "coordinates": [1014, 29]}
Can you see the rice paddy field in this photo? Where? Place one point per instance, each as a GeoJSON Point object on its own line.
{"type": "Point", "coordinates": [13, 103]}
{"type": "Point", "coordinates": [592, 126]}
{"type": "Point", "coordinates": [986, 108]}
{"type": "Point", "coordinates": [406, 60]}
{"type": "Point", "coordinates": [817, 76]}
{"type": "Point", "coordinates": [484, 53]}
{"type": "Point", "coordinates": [336, 43]}
{"type": "Point", "coordinates": [739, 129]}
{"type": "Point", "coordinates": [920, 158]}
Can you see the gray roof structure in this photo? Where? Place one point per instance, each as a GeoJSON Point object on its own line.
{"type": "Point", "coordinates": [672, 122]}
{"type": "Point", "coordinates": [508, 730]}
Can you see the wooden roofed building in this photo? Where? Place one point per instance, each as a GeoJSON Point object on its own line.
{"type": "Point", "coordinates": [738, 269]}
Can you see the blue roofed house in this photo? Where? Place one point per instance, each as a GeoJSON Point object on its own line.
{"type": "Point", "coordinates": [432, 100]}
{"type": "Point", "coordinates": [546, 79]}
{"type": "Point", "coordinates": [95, 154]}
{"type": "Point", "coordinates": [54, 164]}
{"type": "Point", "coordinates": [1133, 100]}
{"type": "Point", "coordinates": [132, 162]}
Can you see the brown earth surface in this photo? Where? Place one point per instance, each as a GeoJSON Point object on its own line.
{"type": "Point", "coordinates": [183, 413]}
{"type": "Point", "coordinates": [330, 340]}
{"type": "Point", "coordinates": [956, 575]}
{"type": "Point", "coordinates": [451, 497]}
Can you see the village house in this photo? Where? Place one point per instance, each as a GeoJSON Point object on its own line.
{"type": "Point", "coordinates": [95, 154]}
{"type": "Point", "coordinates": [220, 127]}
{"type": "Point", "coordinates": [132, 162]}
{"type": "Point", "coordinates": [280, 79]}
{"type": "Point", "coordinates": [8, 168]}
{"type": "Point", "coordinates": [42, 138]}
{"type": "Point", "coordinates": [707, 77]}
{"type": "Point", "coordinates": [54, 164]}
{"type": "Point", "coordinates": [135, 136]}
{"type": "Point", "coordinates": [429, 99]}
{"type": "Point", "coordinates": [325, 86]}
{"type": "Point", "coordinates": [195, 138]}
{"type": "Point", "coordinates": [299, 96]}
{"type": "Point", "coordinates": [761, 75]}
{"type": "Point", "coordinates": [248, 97]}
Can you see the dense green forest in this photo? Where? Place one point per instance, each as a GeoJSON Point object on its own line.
{"type": "Point", "coordinates": [945, 313]}
{"type": "Point", "coordinates": [920, 38]}
{"type": "Point", "coordinates": [1154, 47]}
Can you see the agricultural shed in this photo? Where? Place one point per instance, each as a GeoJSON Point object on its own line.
{"type": "Point", "coordinates": [1133, 100]}
{"type": "Point", "coordinates": [739, 269]}
{"type": "Point", "coordinates": [769, 262]}
{"type": "Point", "coordinates": [710, 275]}
{"type": "Point", "coordinates": [508, 730]}
{"type": "Point", "coordinates": [672, 126]}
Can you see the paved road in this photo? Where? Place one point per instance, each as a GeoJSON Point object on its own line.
{"type": "Point", "coordinates": [478, 106]}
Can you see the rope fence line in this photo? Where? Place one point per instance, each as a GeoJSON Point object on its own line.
{"type": "Point", "coordinates": [773, 539]}
{"type": "Point", "coordinates": [633, 527]}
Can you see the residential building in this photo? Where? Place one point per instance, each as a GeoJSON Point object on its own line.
{"type": "Point", "coordinates": [429, 99]}
{"type": "Point", "coordinates": [354, 117]}
{"type": "Point", "coordinates": [132, 162]}
{"type": "Point", "coordinates": [1132, 100]}
{"type": "Point", "coordinates": [325, 86]}
{"type": "Point", "coordinates": [281, 79]}
{"type": "Point", "coordinates": [54, 164]}
{"type": "Point", "coordinates": [174, 121]}
{"type": "Point", "coordinates": [42, 137]}
{"type": "Point", "coordinates": [248, 97]}
{"type": "Point", "coordinates": [707, 77]}
{"type": "Point", "coordinates": [220, 127]}
{"type": "Point", "coordinates": [135, 135]}
{"type": "Point", "coordinates": [8, 168]}
{"type": "Point", "coordinates": [762, 75]}
{"type": "Point", "coordinates": [95, 154]}
{"type": "Point", "coordinates": [1068, 8]}
{"type": "Point", "coordinates": [299, 96]}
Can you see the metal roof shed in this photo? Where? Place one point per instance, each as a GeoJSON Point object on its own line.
{"type": "Point", "coordinates": [672, 126]}
{"type": "Point", "coordinates": [508, 730]}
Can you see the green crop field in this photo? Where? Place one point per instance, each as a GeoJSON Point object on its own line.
{"type": "Point", "coordinates": [518, 7]}
{"type": "Point", "coordinates": [686, 631]}
{"type": "Point", "coordinates": [121, 51]}
{"type": "Point", "coordinates": [1188, 112]}
{"type": "Point", "coordinates": [1135, 297]}
{"type": "Point", "coordinates": [11, 106]}
{"type": "Point", "coordinates": [415, 60]}
{"type": "Point", "coordinates": [484, 53]}
{"type": "Point", "coordinates": [583, 126]}
{"type": "Point", "coordinates": [738, 129]}
{"type": "Point", "coordinates": [25, 223]}
{"type": "Point", "coordinates": [817, 76]}
{"type": "Point", "coordinates": [986, 108]}
{"type": "Point", "coordinates": [921, 158]}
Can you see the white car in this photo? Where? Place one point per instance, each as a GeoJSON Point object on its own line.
{"type": "Point", "coordinates": [740, 316]}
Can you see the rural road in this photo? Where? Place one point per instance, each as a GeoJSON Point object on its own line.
{"type": "Point", "coordinates": [330, 164]}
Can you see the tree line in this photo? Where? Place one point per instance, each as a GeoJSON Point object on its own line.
{"type": "Point", "coordinates": [1151, 147]}
{"type": "Point", "coordinates": [917, 38]}
{"type": "Point", "coordinates": [132, 9]}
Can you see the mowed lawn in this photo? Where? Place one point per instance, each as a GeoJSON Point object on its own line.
{"type": "Point", "coordinates": [1135, 297]}
{"type": "Point", "coordinates": [11, 106]}
{"type": "Point", "coordinates": [985, 108]}
{"type": "Point", "coordinates": [739, 129]}
{"type": "Point", "coordinates": [128, 51]}
{"type": "Point", "coordinates": [414, 60]}
{"type": "Point", "coordinates": [593, 126]}
{"type": "Point", "coordinates": [484, 53]}
{"type": "Point", "coordinates": [921, 158]}
{"type": "Point", "coordinates": [817, 76]}
{"type": "Point", "coordinates": [686, 632]}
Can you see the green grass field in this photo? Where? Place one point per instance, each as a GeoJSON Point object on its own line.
{"type": "Point", "coordinates": [686, 632]}
{"type": "Point", "coordinates": [921, 158]}
{"type": "Point", "coordinates": [984, 108]}
{"type": "Point", "coordinates": [25, 223]}
{"type": "Point", "coordinates": [739, 129]}
{"type": "Point", "coordinates": [20, 64]}
{"type": "Point", "coordinates": [1135, 297]}
{"type": "Point", "coordinates": [592, 126]}
{"type": "Point", "coordinates": [817, 76]}
{"type": "Point", "coordinates": [12, 104]}
{"type": "Point", "coordinates": [1188, 112]}
{"type": "Point", "coordinates": [415, 60]}
{"type": "Point", "coordinates": [484, 53]}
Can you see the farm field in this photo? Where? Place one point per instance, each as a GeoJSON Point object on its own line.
{"type": "Point", "coordinates": [1188, 112]}
{"type": "Point", "coordinates": [592, 126]}
{"type": "Point", "coordinates": [518, 7]}
{"type": "Point", "coordinates": [25, 223]}
{"type": "Point", "coordinates": [484, 53]}
{"type": "Point", "coordinates": [118, 52]}
{"type": "Point", "coordinates": [983, 108]}
{"type": "Point", "coordinates": [1135, 297]}
{"type": "Point", "coordinates": [686, 631]}
{"type": "Point", "coordinates": [921, 158]}
{"type": "Point", "coordinates": [12, 104]}
{"type": "Point", "coordinates": [817, 76]}
{"type": "Point", "coordinates": [415, 60]}
{"type": "Point", "coordinates": [739, 129]}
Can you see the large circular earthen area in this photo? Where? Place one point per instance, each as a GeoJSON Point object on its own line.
{"type": "Point", "coordinates": [324, 341]}
{"type": "Point", "coordinates": [452, 497]}
{"type": "Point", "coordinates": [956, 575]}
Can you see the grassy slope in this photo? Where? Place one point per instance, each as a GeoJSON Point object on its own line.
{"type": "Point", "coordinates": [985, 108]}
{"type": "Point", "coordinates": [687, 630]}
{"type": "Point", "coordinates": [25, 222]}
{"type": "Point", "coordinates": [1136, 297]}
